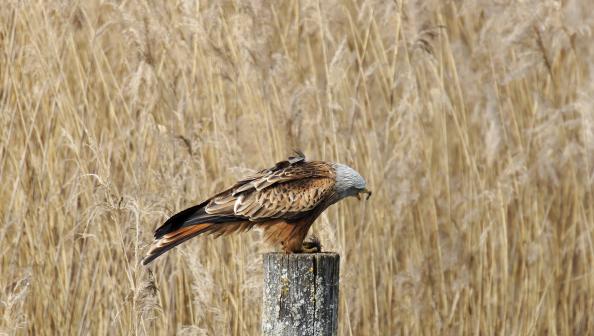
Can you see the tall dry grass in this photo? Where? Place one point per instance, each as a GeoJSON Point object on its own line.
{"type": "Point", "coordinates": [473, 122]}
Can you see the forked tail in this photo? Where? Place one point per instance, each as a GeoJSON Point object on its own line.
{"type": "Point", "coordinates": [170, 240]}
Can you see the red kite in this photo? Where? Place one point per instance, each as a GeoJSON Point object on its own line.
{"type": "Point", "coordinates": [283, 200]}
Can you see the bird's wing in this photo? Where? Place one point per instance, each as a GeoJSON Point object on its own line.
{"type": "Point", "coordinates": [286, 190]}
{"type": "Point", "coordinates": [287, 199]}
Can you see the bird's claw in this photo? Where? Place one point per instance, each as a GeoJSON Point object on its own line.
{"type": "Point", "coordinates": [313, 245]}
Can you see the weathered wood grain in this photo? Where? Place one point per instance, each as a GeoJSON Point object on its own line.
{"type": "Point", "coordinates": [300, 294]}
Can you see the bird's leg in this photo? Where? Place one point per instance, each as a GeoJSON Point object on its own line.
{"type": "Point", "coordinates": [298, 245]}
{"type": "Point", "coordinates": [312, 245]}
{"type": "Point", "coordinates": [295, 242]}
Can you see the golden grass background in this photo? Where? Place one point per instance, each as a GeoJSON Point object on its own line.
{"type": "Point", "coordinates": [473, 122]}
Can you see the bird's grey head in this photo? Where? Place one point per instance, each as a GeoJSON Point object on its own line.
{"type": "Point", "coordinates": [349, 182]}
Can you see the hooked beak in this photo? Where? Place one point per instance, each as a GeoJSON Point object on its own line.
{"type": "Point", "coordinates": [364, 191]}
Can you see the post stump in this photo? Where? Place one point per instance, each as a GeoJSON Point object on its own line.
{"type": "Point", "coordinates": [300, 294]}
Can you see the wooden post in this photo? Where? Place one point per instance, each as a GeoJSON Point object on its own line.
{"type": "Point", "coordinates": [300, 294]}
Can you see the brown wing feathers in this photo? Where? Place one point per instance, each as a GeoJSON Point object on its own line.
{"type": "Point", "coordinates": [282, 195]}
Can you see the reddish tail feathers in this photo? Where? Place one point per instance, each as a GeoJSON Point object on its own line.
{"type": "Point", "coordinates": [171, 239]}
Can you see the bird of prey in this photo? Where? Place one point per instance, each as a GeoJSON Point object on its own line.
{"type": "Point", "coordinates": [283, 200]}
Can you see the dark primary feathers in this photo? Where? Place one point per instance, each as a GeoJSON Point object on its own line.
{"type": "Point", "coordinates": [291, 192]}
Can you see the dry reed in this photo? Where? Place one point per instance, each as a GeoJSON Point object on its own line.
{"type": "Point", "coordinates": [472, 121]}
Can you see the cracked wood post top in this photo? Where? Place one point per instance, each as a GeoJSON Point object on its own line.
{"type": "Point", "coordinates": [300, 294]}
